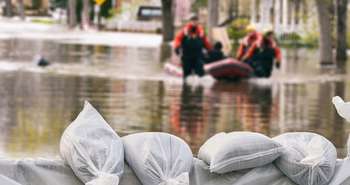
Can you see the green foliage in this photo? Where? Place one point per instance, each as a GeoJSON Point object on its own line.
{"type": "Point", "coordinates": [59, 3]}
{"type": "Point", "coordinates": [290, 39]}
{"type": "Point", "coordinates": [348, 39]}
{"type": "Point", "coordinates": [237, 29]}
{"type": "Point", "coordinates": [310, 39]}
{"type": "Point", "coordinates": [199, 4]}
{"type": "Point", "coordinates": [43, 21]}
{"type": "Point", "coordinates": [106, 8]}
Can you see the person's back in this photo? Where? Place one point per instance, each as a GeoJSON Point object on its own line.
{"type": "Point", "coordinates": [189, 43]}
{"type": "Point", "coordinates": [216, 54]}
{"type": "Point", "coordinates": [192, 47]}
{"type": "Point", "coordinates": [264, 57]}
{"type": "Point", "coordinates": [262, 54]}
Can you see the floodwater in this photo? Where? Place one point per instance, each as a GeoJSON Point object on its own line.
{"type": "Point", "coordinates": [128, 86]}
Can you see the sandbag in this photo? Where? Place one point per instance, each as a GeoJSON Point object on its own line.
{"type": "Point", "coordinates": [92, 149]}
{"type": "Point", "coordinates": [38, 172]}
{"type": "Point", "coordinates": [309, 159]}
{"type": "Point", "coordinates": [348, 146]}
{"type": "Point", "coordinates": [265, 175]}
{"type": "Point", "coordinates": [227, 152]}
{"type": "Point", "coordinates": [342, 172]}
{"type": "Point", "coordinates": [158, 158]}
{"type": "Point", "coordinates": [6, 181]}
{"type": "Point", "coordinates": [343, 108]}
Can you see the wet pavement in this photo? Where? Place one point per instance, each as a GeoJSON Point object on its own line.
{"type": "Point", "coordinates": [128, 86]}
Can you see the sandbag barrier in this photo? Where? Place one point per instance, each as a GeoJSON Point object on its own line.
{"type": "Point", "coordinates": [93, 154]}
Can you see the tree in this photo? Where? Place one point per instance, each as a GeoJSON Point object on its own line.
{"type": "Point", "coordinates": [324, 8]}
{"type": "Point", "coordinates": [21, 9]}
{"type": "Point", "coordinates": [85, 14]}
{"type": "Point", "coordinates": [167, 20]}
{"type": "Point", "coordinates": [72, 16]}
{"type": "Point", "coordinates": [8, 8]}
{"type": "Point", "coordinates": [213, 13]}
{"type": "Point", "coordinates": [341, 10]}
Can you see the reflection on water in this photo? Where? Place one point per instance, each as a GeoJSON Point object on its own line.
{"type": "Point", "coordinates": [36, 107]}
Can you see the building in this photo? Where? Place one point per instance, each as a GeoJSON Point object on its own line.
{"type": "Point", "coordinates": [284, 16]}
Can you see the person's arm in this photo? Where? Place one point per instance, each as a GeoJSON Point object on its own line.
{"type": "Point", "coordinates": [178, 39]}
{"type": "Point", "coordinates": [207, 44]}
{"type": "Point", "coordinates": [278, 56]}
{"type": "Point", "coordinates": [250, 51]}
{"type": "Point", "coordinates": [240, 52]}
{"type": "Point", "coordinates": [201, 33]}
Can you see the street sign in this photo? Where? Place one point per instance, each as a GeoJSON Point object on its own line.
{"type": "Point", "coordinates": [100, 2]}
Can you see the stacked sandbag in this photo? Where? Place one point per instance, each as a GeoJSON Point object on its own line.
{"type": "Point", "coordinates": [92, 149]}
{"type": "Point", "coordinates": [309, 159]}
{"type": "Point", "coordinates": [158, 158]}
{"type": "Point", "coordinates": [343, 108]}
{"type": "Point", "coordinates": [348, 146]}
{"type": "Point", "coordinates": [7, 181]}
{"type": "Point", "coordinates": [227, 152]}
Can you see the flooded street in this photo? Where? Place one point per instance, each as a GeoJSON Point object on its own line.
{"type": "Point", "coordinates": [128, 86]}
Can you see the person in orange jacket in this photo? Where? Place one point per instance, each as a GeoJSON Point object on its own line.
{"type": "Point", "coordinates": [189, 43]}
{"type": "Point", "coordinates": [262, 54]}
{"type": "Point", "coordinates": [252, 36]}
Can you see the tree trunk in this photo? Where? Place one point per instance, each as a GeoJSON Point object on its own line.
{"type": "Point", "coordinates": [167, 20]}
{"type": "Point", "coordinates": [21, 9]}
{"type": "Point", "coordinates": [85, 23]}
{"type": "Point", "coordinates": [341, 8]}
{"type": "Point", "coordinates": [325, 25]}
{"type": "Point", "coordinates": [213, 15]}
{"type": "Point", "coordinates": [72, 16]}
{"type": "Point", "coordinates": [8, 8]}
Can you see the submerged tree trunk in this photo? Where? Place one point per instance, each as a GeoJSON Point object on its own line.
{"type": "Point", "coordinates": [213, 15]}
{"type": "Point", "coordinates": [167, 20]}
{"type": "Point", "coordinates": [325, 25]}
{"type": "Point", "coordinates": [341, 8]}
{"type": "Point", "coordinates": [85, 23]}
{"type": "Point", "coordinates": [8, 8]}
{"type": "Point", "coordinates": [72, 17]}
{"type": "Point", "coordinates": [21, 9]}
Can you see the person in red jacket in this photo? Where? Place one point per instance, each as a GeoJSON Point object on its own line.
{"type": "Point", "coordinates": [189, 43]}
{"type": "Point", "coordinates": [262, 54]}
{"type": "Point", "coordinates": [252, 36]}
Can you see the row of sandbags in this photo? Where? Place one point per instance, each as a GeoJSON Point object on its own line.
{"type": "Point", "coordinates": [96, 155]}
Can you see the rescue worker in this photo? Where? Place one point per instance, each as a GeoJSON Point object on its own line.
{"type": "Point", "coordinates": [252, 36]}
{"type": "Point", "coordinates": [190, 42]}
{"type": "Point", "coordinates": [262, 54]}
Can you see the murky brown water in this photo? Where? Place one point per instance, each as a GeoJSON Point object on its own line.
{"type": "Point", "coordinates": [36, 105]}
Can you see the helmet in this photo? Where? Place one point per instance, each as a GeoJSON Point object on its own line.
{"type": "Point", "coordinates": [193, 17]}
{"type": "Point", "coordinates": [251, 27]}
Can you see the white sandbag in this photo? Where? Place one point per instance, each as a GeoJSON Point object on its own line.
{"type": "Point", "coordinates": [227, 152]}
{"type": "Point", "coordinates": [158, 158]}
{"type": "Point", "coordinates": [38, 172]}
{"type": "Point", "coordinates": [92, 149]}
{"type": "Point", "coordinates": [342, 172]}
{"type": "Point", "coordinates": [200, 175]}
{"type": "Point", "coordinates": [309, 158]}
{"type": "Point", "coordinates": [348, 146]}
{"type": "Point", "coordinates": [6, 181]}
{"type": "Point", "coordinates": [343, 108]}
{"type": "Point", "coordinates": [50, 172]}
{"type": "Point", "coordinates": [265, 175]}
